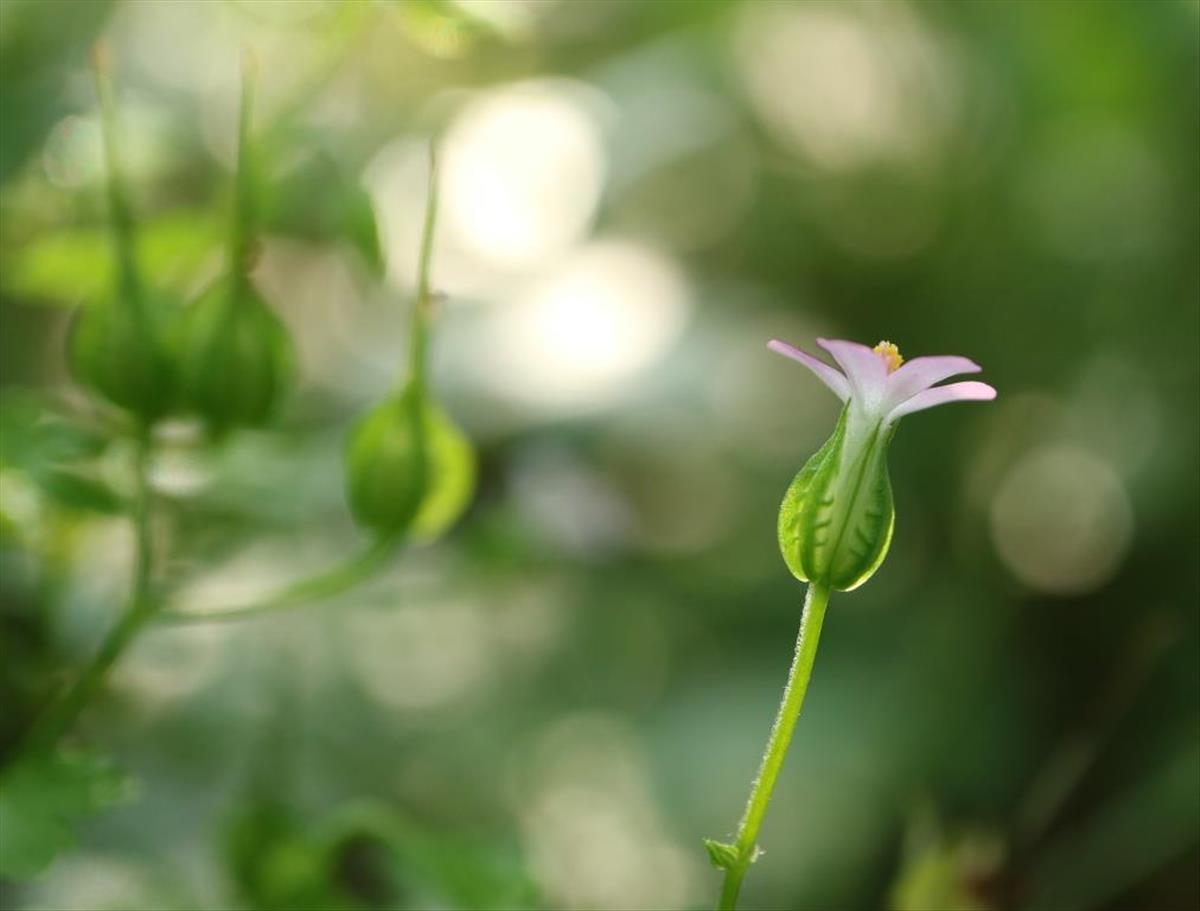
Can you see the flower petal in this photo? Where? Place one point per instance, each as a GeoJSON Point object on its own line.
{"type": "Point", "coordinates": [939, 395]}
{"type": "Point", "coordinates": [863, 367]}
{"type": "Point", "coordinates": [920, 373]}
{"type": "Point", "coordinates": [825, 373]}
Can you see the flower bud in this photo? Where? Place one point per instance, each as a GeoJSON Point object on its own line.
{"type": "Point", "coordinates": [117, 345]}
{"type": "Point", "coordinates": [235, 357]}
{"type": "Point", "coordinates": [116, 348]}
{"type": "Point", "coordinates": [408, 468]}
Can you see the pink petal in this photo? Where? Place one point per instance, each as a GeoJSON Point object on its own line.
{"type": "Point", "coordinates": [863, 367]}
{"type": "Point", "coordinates": [920, 373]}
{"type": "Point", "coordinates": [825, 373]}
{"type": "Point", "coordinates": [940, 395]}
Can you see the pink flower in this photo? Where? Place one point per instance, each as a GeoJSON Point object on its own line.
{"type": "Point", "coordinates": [885, 387]}
{"type": "Point", "coordinates": [836, 520]}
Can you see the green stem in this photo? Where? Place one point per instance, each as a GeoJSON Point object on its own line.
{"type": "Point", "coordinates": [128, 285]}
{"type": "Point", "coordinates": [781, 735]}
{"type": "Point", "coordinates": [419, 334]}
{"type": "Point", "coordinates": [242, 237]}
{"type": "Point", "coordinates": [138, 609]}
{"type": "Point", "coordinates": [324, 585]}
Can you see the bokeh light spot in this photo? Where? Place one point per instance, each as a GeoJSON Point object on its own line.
{"type": "Point", "coordinates": [580, 335]}
{"type": "Point", "coordinates": [1061, 520]}
{"type": "Point", "coordinates": [524, 166]}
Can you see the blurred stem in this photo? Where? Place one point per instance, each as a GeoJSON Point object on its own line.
{"type": "Point", "coordinates": [242, 237]}
{"type": "Point", "coordinates": [1098, 860]}
{"type": "Point", "coordinates": [332, 582]}
{"type": "Point", "coordinates": [781, 735]}
{"type": "Point", "coordinates": [128, 286]}
{"type": "Point", "coordinates": [419, 334]}
{"type": "Point", "coordinates": [1060, 777]}
{"type": "Point", "coordinates": [138, 609]}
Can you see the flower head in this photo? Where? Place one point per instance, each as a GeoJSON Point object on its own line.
{"type": "Point", "coordinates": [836, 521]}
{"type": "Point", "coordinates": [883, 383]}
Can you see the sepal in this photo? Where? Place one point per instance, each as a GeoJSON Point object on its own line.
{"type": "Point", "coordinates": [723, 856]}
{"type": "Point", "coordinates": [837, 517]}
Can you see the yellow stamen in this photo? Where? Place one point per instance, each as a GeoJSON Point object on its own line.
{"type": "Point", "coordinates": [890, 354]}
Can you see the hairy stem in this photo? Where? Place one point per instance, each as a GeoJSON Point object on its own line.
{"type": "Point", "coordinates": [323, 585]}
{"type": "Point", "coordinates": [138, 609]}
{"type": "Point", "coordinates": [746, 845]}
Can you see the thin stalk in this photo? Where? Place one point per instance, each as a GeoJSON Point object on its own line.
{"type": "Point", "coordinates": [746, 845]}
{"type": "Point", "coordinates": [316, 588]}
{"type": "Point", "coordinates": [245, 215]}
{"type": "Point", "coordinates": [138, 609]}
{"type": "Point", "coordinates": [421, 315]}
{"type": "Point", "coordinates": [128, 284]}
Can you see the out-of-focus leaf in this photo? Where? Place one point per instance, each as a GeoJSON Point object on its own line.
{"type": "Point", "coordinates": [939, 877]}
{"type": "Point", "coordinates": [943, 870]}
{"type": "Point", "coordinates": [43, 443]}
{"type": "Point", "coordinates": [274, 862]}
{"type": "Point", "coordinates": [42, 797]}
{"type": "Point", "coordinates": [33, 429]}
{"type": "Point", "coordinates": [438, 869]}
{"type": "Point", "coordinates": [76, 490]}
{"type": "Point", "coordinates": [364, 856]}
{"type": "Point", "coordinates": [318, 200]}
{"type": "Point", "coordinates": [75, 265]}
{"type": "Point", "coordinates": [36, 49]}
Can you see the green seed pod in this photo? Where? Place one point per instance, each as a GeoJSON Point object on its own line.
{"type": "Point", "coordinates": [116, 348]}
{"type": "Point", "coordinates": [117, 345]}
{"type": "Point", "coordinates": [234, 356]}
{"type": "Point", "coordinates": [408, 468]}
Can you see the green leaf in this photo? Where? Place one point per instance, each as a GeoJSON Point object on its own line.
{"type": "Point", "coordinates": [365, 855]}
{"type": "Point", "coordinates": [71, 266]}
{"type": "Point", "coordinates": [42, 797]}
{"type": "Point", "coordinates": [723, 856]}
{"type": "Point", "coordinates": [33, 429]}
{"type": "Point", "coordinates": [52, 450]}
{"type": "Point", "coordinates": [77, 490]}
{"type": "Point", "coordinates": [40, 50]}
{"type": "Point", "coordinates": [837, 517]}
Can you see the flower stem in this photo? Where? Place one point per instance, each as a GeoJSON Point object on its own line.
{"type": "Point", "coordinates": [128, 285]}
{"type": "Point", "coordinates": [342, 577]}
{"type": "Point", "coordinates": [52, 726]}
{"type": "Point", "coordinates": [245, 214]}
{"type": "Point", "coordinates": [777, 745]}
{"type": "Point", "coordinates": [419, 336]}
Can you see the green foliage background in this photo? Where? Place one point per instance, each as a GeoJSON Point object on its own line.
{"type": "Point", "coordinates": [551, 706]}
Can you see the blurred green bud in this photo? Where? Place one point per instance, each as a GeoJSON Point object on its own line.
{"type": "Point", "coordinates": [117, 348]}
{"type": "Point", "coordinates": [235, 358]}
{"type": "Point", "coordinates": [408, 468]}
